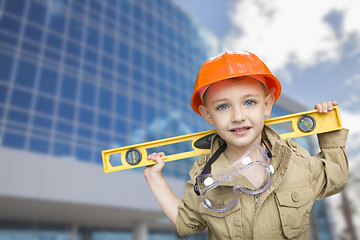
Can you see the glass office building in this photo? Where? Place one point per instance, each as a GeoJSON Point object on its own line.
{"type": "Point", "coordinates": [78, 77]}
{"type": "Point", "coordinates": [81, 76]}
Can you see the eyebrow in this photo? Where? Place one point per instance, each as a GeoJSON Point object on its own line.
{"type": "Point", "coordinates": [245, 96]}
{"type": "Point", "coordinates": [218, 100]}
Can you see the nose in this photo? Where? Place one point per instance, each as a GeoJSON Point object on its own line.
{"type": "Point", "coordinates": [237, 115]}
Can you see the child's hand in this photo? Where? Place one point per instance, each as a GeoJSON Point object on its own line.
{"type": "Point", "coordinates": [156, 169]}
{"type": "Point", "coordinates": [324, 107]}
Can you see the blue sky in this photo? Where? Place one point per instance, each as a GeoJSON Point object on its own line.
{"type": "Point", "coordinates": [313, 47]}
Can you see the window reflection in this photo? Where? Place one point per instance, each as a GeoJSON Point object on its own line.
{"type": "Point", "coordinates": [64, 128]}
{"type": "Point", "coordinates": [37, 12]}
{"type": "Point", "coordinates": [105, 99]}
{"type": "Point", "coordinates": [62, 149]}
{"type": "Point", "coordinates": [13, 140]}
{"type": "Point", "coordinates": [85, 132]}
{"type": "Point", "coordinates": [15, 7]}
{"type": "Point", "coordinates": [39, 145]}
{"type": "Point", "coordinates": [86, 116]}
{"type": "Point", "coordinates": [75, 29]}
{"type": "Point", "coordinates": [45, 105]}
{"type": "Point", "coordinates": [57, 22]}
{"type": "Point", "coordinates": [21, 99]}
{"type": "Point", "coordinates": [17, 116]}
{"type": "Point", "coordinates": [87, 93]}
{"type": "Point", "coordinates": [42, 122]}
{"type": "Point", "coordinates": [103, 137]}
{"type": "Point", "coordinates": [26, 74]}
{"type": "Point", "coordinates": [123, 51]}
{"type": "Point", "coordinates": [121, 105]}
{"type": "Point", "coordinates": [66, 111]}
{"type": "Point", "coordinates": [33, 33]}
{"type": "Point", "coordinates": [5, 66]}
{"type": "Point", "coordinates": [48, 80]}
{"type": "Point", "coordinates": [68, 87]}
{"type": "Point", "coordinates": [92, 37]}
{"type": "Point", "coordinates": [104, 121]}
{"type": "Point", "coordinates": [83, 153]}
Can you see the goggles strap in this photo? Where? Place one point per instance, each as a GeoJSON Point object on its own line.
{"type": "Point", "coordinates": [268, 152]}
{"type": "Point", "coordinates": [209, 163]}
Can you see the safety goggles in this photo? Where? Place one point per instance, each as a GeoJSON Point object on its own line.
{"type": "Point", "coordinates": [251, 174]}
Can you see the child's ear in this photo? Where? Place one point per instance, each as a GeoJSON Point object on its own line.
{"type": "Point", "coordinates": [206, 115]}
{"type": "Point", "coordinates": [269, 102]}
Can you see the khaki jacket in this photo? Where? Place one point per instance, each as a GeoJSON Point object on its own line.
{"type": "Point", "coordinates": [282, 211]}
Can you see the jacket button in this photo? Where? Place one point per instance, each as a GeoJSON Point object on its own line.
{"type": "Point", "coordinates": [293, 144]}
{"type": "Point", "coordinates": [201, 161]}
{"type": "Point", "coordinates": [295, 197]}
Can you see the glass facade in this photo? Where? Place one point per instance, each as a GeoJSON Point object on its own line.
{"type": "Point", "coordinates": [78, 77]}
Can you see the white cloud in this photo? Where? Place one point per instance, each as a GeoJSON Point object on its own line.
{"type": "Point", "coordinates": [351, 121]}
{"type": "Point", "coordinates": [296, 32]}
{"type": "Point", "coordinates": [354, 81]}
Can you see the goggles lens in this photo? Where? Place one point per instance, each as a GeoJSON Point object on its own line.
{"type": "Point", "coordinates": [251, 174]}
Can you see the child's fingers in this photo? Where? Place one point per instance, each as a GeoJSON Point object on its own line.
{"type": "Point", "coordinates": [157, 157]}
{"type": "Point", "coordinates": [319, 107]}
{"type": "Point", "coordinates": [324, 107]}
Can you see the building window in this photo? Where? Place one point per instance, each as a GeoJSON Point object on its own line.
{"type": "Point", "coordinates": [105, 99]}
{"type": "Point", "coordinates": [85, 133]}
{"type": "Point", "coordinates": [83, 154]}
{"type": "Point", "coordinates": [108, 44]}
{"type": "Point", "coordinates": [19, 117]}
{"type": "Point", "coordinates": [88, 93]}
{"type": "Point", "coordinates": [33, 33]}
{"type": "Point", "coordinates": [62, 149]}
{"type": "Point", "coordinates": [92, 37]}
{"type": "Point", "coordinates": [104, 121]}
{"type": "Point", "coordinates": [39, 145]}
{"type": "Point", "coordinates": [15, 7]}
{"type": "Point", "coordinates": [13, 140]}
{"type": "Point", "coordinates": [37, 12]}
{"type": "Point", "coordinates": [48, 81]}
{"type": "Point", "coordinates": [68, 88]}
{"type": "Point", "coordinates": [75, 29]}
{"type": "Point", "coordinates": [21, 99]}
{"type": "Point", "coordinates": [86, 116]}
{"type": "Point", "coordinates": [45, 105]}
{"type": "Point", "coordinates": [123, 51]}
{"type": "Point", "coordinates": [25, 74]}
{"type": "Point", "coordinates": [64, 128]}
{"type": "Point", "coordinates": [42, 122]}
{"type": "Point", "coordinates": [57, 22]}
{"type": "Point", "coordinates": [54, 41]}
{"type": "Point", "coordinates": [66, 111]}
{"type": "Point", "coordinates": [3, 93]}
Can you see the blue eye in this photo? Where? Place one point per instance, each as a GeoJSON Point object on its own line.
{"type": "Point", "coordinates": [249, 103]}
{"type": "Point", "coordinates": [222, 107]}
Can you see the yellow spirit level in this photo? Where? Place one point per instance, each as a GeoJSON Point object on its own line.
{"type": "Point", "coordinates": [303, 124]}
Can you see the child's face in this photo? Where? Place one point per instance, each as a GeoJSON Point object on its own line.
{"type": "Point", "coordinates": [236, 108]}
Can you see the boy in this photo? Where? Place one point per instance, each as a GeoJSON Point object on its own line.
{"type": "Point", "coordinates": [234, 92]}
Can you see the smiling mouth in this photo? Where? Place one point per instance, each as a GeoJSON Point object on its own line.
{"type": "Point", "coordinates": [240, 129]}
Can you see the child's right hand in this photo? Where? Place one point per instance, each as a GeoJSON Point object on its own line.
{"type": "Point", "coordinates": [157, 169]}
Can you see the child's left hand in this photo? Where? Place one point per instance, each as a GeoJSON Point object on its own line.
{"type": "Point", "coordinates": [324, 107]}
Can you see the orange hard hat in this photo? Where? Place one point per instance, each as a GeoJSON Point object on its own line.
{"type": "Point", "coordinates": [230, 65]}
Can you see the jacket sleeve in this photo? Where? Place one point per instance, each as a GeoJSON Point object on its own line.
{"type": "Point", "coordinates": [330, 169]}
{"type": "Point", "coordinates": [189, 220]}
